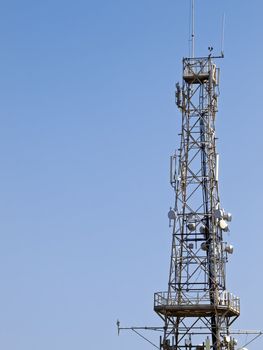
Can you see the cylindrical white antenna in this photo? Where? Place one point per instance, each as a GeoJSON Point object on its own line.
{"type": "Point", "coordinates": [193, 30]}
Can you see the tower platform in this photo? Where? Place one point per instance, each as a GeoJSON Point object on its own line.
{"type": "Point", "coordinates": [198, 71]}
{"type": "Point", "coordinates": [227, 304]}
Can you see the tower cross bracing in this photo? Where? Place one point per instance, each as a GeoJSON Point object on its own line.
{"type": "Point", "coordinates": [197, 309]}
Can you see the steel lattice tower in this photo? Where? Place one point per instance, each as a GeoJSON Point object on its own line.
{"type": "Point", "coordinates": [197, 309]}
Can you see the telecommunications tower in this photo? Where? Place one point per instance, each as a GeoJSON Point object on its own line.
{"type": "Point", "coordinates": [197, 309]}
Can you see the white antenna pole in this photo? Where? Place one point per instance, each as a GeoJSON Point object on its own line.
{"type": "Point", "coordinates": [193, 29]}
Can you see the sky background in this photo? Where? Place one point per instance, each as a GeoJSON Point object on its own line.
{"type": "Point", "coordinates": [87, 125]}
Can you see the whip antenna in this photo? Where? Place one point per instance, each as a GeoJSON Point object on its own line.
{"type": "Point", "coordinates": [193, 29]}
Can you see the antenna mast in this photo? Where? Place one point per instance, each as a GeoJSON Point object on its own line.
{"type": "Point", "coordinates": [193, 29]}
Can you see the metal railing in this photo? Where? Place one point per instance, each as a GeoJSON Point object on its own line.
{"type": "Point", "coordinates": [223, 299]}
{"type": "Point", "coordinates": [199, 69]}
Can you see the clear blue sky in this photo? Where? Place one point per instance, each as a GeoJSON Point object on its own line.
{"type": "Point", "coordinates": [87, 124]}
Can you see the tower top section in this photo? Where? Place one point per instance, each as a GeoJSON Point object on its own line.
{"type": "Point", "coordinates": [199, 70]}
